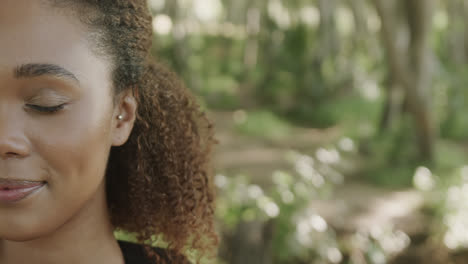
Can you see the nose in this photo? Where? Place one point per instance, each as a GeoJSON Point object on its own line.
{"type": "Point", "coordinates": [13, 141]}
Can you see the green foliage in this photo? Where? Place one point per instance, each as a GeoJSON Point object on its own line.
{"type": "Point", "coordinates": [450, 155]}
{"type": "Point", "coordinates": [125, 236]}
{"type": "Point", "coordinates": [300, 234]}
{"type": "Point", "coordinates": [264, 124]}
{"type": "Point", "coordinates": [453, 95]}
{"type": "Point", "coordinates": [394, 159]}
{"type": "Point", "coordinates": [212, 67]}
{"type": "Point", "coordinates": [447, 203]}
{"type": "Point", "coordinates": [288, 72]}
{"type": "Point", "coordinates": [156, 241]}
{"type": "Point", "coordinates": [287, 203]}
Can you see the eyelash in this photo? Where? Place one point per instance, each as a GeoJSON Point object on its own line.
{"type": "Point", "coordinates": [46, 109]}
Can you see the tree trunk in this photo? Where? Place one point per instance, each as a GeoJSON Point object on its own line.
{"type": "Point", "coordinates": [251, 243]}
{"type": "Point", "coordinates": [414, 74]}
{"type": "Point", "coordinates": [457, 35]}
{"type": "Point", "coordinates": [420, 25]}
{"type": "Point", "coordinates": [327, 29]}
{"type": "Point", "coordinates": [358, 8]}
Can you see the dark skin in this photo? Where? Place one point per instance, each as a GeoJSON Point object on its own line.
{"type": "Point", "coordinates": [57, 125]}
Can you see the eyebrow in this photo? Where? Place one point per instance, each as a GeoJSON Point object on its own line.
{"type": "Point", "coordinates": [32, 70]}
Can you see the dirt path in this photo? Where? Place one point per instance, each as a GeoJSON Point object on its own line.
{"type": "Point", "coordinates": [257, 157]}
{"type": "Point", "coordinates": [360, 206]}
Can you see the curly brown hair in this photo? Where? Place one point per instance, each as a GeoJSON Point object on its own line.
{"type": "Point", "coordinates": [158, 182]}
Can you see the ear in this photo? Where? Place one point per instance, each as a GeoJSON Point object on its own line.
{"type": "Point", "coordinates": [123, 117]}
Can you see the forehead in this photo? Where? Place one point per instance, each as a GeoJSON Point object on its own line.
{"type": "Point", "coordinates": [33, 32]}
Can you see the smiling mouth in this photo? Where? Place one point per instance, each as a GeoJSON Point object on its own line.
{"type": "Point", "coordinates": [16, 190]}
{"type": "Point", "coordinates": [17, 184]}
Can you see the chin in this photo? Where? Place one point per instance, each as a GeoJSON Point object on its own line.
{"type": "Point", "coordinates": [22, 234]}
{"type": "Point", "coordinates": [20, 237]}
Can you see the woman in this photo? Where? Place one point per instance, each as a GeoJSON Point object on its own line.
{"type": "Point", "coordinates": [95, 137]}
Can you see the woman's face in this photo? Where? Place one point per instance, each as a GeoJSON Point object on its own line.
{"type": "Point", "coordinates": [57, 120]}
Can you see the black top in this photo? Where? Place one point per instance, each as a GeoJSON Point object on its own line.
{"type": "Point", "coordinates": [136, 254]}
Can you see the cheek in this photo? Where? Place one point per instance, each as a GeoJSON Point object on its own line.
{"type": "Point", "coordinates": [75, 152]}
{"type": "Point", "coordinates": [74, 144]}
{"type": "Point", "coordinates": [75, 147]}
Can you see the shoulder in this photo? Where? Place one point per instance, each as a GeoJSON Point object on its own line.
{"type": "Point", "coordinates": [136, 254]}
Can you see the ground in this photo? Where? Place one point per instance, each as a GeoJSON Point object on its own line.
{"type": "Point", "coordinates": [355, 204]}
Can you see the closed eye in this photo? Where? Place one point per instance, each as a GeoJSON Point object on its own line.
{"type": "Point", "coordinates": [46, 109]}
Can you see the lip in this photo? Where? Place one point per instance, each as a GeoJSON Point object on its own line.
{"type": "Point", "coordinates": [16, 190]}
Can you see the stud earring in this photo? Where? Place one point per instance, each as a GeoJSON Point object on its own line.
{"type": "Point", "coordinates": [120, 117]}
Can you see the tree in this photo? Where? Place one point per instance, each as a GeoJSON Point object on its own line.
{"type": "Point", "coordinates": [410, 66]}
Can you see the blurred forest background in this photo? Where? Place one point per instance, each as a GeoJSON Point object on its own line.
{"type": "Point", "coordinates": [341, 124]}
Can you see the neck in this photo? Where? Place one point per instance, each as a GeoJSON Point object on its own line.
{"type": "Point", "coordinates": [86, 238]}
